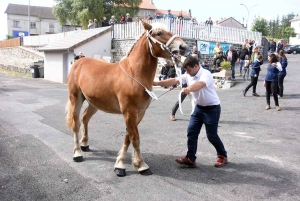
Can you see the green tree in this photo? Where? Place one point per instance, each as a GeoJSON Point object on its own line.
{"type": "Point", "coordinates": [260, 25]}
{"type": "Point", "coordinates": [7, 37]}
{"type": "Point", "coordinates": [78, 12]}
{"type": "Point", "coordinates": [287, 32]}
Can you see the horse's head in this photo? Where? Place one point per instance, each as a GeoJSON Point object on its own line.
{"type": "Point", "coordinates": [162, 42]}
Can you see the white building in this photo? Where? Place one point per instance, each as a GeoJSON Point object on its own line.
{"type": "Point", "coordinates": [59, 56]}
{"type": "Point", "coordinates": [295, 23]}
{"type": "Point", "coordinates": [42, 20]}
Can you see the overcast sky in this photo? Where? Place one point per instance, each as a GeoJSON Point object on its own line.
{"type": "Point", "coordinates": [201, 9]}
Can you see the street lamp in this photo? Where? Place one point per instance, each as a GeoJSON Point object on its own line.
{"type": "Point", "coordinates": [248, 13]}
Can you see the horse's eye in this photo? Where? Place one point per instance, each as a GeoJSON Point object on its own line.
{"type": "Point", "coordinates": [159, 33]}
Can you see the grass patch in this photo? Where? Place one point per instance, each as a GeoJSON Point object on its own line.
{"type": "Point", "coordinates": [13, 73]}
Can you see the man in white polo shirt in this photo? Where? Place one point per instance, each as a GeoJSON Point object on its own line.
{"type": "Point", "coordinates": [207, 111]}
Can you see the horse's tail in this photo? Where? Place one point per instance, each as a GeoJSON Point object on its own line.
{"type": "Point", "coordinates": [69, 117]}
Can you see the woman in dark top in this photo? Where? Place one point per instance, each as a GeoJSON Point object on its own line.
{"type": "Point", "coordinates": [271, 80]}
{"type": "Point", "coordinates": [254, 76]}
{"type": "Point", "coordinates": [242, 54]}
{"type": "Point", "coordinates": [283, 61]}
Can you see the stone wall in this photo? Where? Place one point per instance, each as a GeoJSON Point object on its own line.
{"type": "Point", "coordinates": [18, 59]}
{"type": "Point", "coordinates": [121, 46]}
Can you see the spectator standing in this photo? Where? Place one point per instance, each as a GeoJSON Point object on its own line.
{"type": "Point", "coordinates": [209, 23]}
{"type": "Point", "coordinates": [96, 25]}
{"type": "Point", "coordinates": [207, 111]}
{"type": "Point", "coordinates": [195, 51]}
{"type": "Point", "coordinates": [232, 57]}
{"type": "Point", "coordinates": [272, 46]}
{"type": "Point", "coordinates": [271, 80]}
{"type": "Point", "coordinates": [254, 55]}
{"type": "Point", "coordinates": [112, 21]}
{"type": "Point", "coordinates": [246, 68]}
{"type": "Point", "coordinates": [91, 24]}
{"type": "Point", "coordinates": [164, 71]}
{"type": "Point", "coordinates": [157, 16]}
{"type": "Point", "coordinates": [169, 15]}
{"type": "Point", "coordinates": [281, 75]}
{"type": "Point", "coordinates": [79, 56]}
{"type": "Point", "coordinates": [254, 76]}
{"type": "Point", "coordinates": [105, 22]}
{"type": "Point", "coordinates": [122, 19]}
{"type": "Point", "coordinates": [242, 54]}
{"type": "Point", "coordinates": [149, 17]}
{"type": "Point", "coordinates": [128, 18]}
{"type": "Point", "coordinates": [218, 60]}
{"type": "Point", "coordinates": [279, 45]}
{"type": "Point", "coordinates": [217, 49]}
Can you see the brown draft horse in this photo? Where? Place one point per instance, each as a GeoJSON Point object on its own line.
{"type": "Point", "coordinates": [119, 88]}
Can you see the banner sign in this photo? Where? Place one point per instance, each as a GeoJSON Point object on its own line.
{"type": "Point", "coordinates": [208, 47]}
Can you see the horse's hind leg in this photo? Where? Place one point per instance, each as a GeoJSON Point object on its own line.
{"type": "Point", "coordinates": [73, 111]}
{"type": "Point", "coordinates": [86, 116]}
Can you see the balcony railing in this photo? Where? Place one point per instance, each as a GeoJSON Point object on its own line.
{"type": "Point", "coordinates": [186, 29]}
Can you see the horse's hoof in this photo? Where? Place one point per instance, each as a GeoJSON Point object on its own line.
{"type": "Point", "coordinates": [78, 159]}
{"type": "Point", "coordinates": [146, 172]}
{"type": "Point", "coordinates": [120, 172]}
{"type": "Point", "coordinates": [85, 148]}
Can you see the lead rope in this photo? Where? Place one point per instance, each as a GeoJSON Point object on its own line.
{"type": "Point", "coordinates": [178, 73]}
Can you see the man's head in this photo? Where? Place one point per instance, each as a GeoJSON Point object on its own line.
{"type": "Point", "coordinates": [169, 11]}
{"type": "Point", "coordinates": [195, 48]}
{"type": "Point", "coordinates": [191, 65]}
{"type": "Point", "coordinates": [230, 47]}
{"type": "Point", "coordinates": [195, 56]}
{"type": "Point", "coordinates": [104, 18]}
{"type": "Point", "coordinates": [218, 44]}
{"type": "Point", "coordinates": [112, 17]}
{"type": "Point", "coordinates": [95, 20]}
{"type": "Point", "coordinates": [127, 15]}
{"type": "Point", "coordinates": [204, 63]}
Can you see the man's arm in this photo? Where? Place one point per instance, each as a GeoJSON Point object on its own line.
{"type": "Point", "coordinates": [167, 82]}
{"type": "Point", "coordinates": [194, 87]}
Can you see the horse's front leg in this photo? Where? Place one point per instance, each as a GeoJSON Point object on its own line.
{"type": "Point", "coordinates": [120, 163]}
{"type": "Point", "coordinates": [132, 122]}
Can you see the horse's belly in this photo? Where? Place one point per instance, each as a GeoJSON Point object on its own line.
{"type": "Point", "coordinates": [109, 105]}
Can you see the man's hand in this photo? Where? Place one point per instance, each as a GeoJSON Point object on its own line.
{"type": "Point", "coordinates": [185, 91]}
{"type": "Point", "coordinates": [155, 83]}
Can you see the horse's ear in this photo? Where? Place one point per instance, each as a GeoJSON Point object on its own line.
{"type": "Point", "coordinates": [146, 25]}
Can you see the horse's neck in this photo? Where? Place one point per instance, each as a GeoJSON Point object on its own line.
{"type": "Point", "coordinates": [142, 62]}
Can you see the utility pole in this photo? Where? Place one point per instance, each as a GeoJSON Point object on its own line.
{"type": "Point", "coordinates": [248, 10]}
{"type": "Point", "coordinates": [29, 18]}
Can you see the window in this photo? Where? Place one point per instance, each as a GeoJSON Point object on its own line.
{"type": "Point", "coordinates": [146, 12]}
{"type": "Point", "coordinates": [51, 27]}
{"type": "Point", "coordinates": [32, 25]}
{"type": "Point", "coordinates": [16, 23]}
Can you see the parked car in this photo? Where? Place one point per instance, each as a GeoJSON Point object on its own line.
{"type": "Point", "coordinates": [292, 49]}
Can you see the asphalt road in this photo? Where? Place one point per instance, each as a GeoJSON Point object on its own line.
{"type": "Point", "coordinates": [36, 148]}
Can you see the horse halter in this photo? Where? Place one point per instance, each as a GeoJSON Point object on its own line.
{"type": "Point", "coordinates": [162, 46]}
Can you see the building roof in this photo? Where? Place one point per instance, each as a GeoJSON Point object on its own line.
{"type": "Point", "coordinates": [38, 11]}
{"type": "Point", "coordinates": [226, 19]}
{"type": "Point", "coordinates": [147, 4]}
{"type": "Point", "coordinates": [78, 38]}
{"type": "Point", "coordinates": [175, 13]}
{"type": "Point", "coordinates": [296, 18]}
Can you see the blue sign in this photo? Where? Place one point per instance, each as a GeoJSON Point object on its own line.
{"type": "Point", "coordinates": [16, 33]}
{"type": "Point", "coordinates": [208, 47]}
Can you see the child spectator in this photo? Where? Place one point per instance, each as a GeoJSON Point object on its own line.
{"type": "Point", "coordinates": [246, 68]}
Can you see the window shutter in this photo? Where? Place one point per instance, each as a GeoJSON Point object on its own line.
{"type": "Point", "coordinates": [46, 26]}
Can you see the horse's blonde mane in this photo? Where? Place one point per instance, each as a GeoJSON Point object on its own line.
{"type": "Point", "coordinates": [155, 27]}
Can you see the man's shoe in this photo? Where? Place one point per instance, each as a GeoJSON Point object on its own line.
{"type": "Point", "coordinates": [221, 160]}
{"type": "Point", "coordinates": [268, 107]}
{"type": "Point", "coordinates": [278, 108]}
{"type": "Point", "coordinates": [244, 92]}
{"type": "Point", "coordinates": [172, 117]}
{"type": "Point", "coordinates": [186, 161]}
{"type": "Point", "coordinates": [255, 94]}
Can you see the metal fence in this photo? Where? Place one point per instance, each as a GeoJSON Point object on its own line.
{"type": "Point", "coordinates": [186, 29]}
